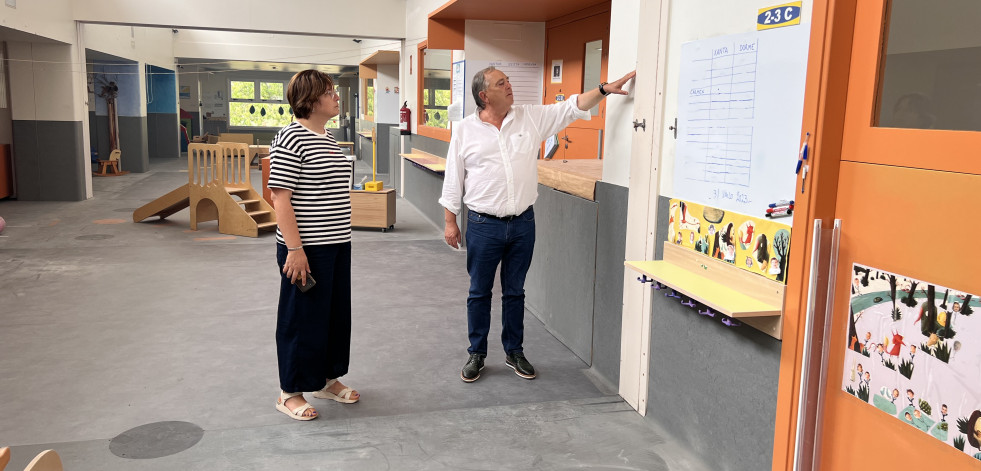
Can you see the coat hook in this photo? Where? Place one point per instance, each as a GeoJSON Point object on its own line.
{"type": "Point", "coordinates": [729, 322]}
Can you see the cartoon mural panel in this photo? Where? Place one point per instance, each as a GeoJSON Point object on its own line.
{"type": "Point", "coordinates": [914, 352]}
{"type": "Point", "coordinates": [757, 245]}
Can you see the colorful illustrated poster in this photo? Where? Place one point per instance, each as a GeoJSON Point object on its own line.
{"type": "Point", "coordinates": [914, 352]}
{"type": "Point", "coordinates": [757, 245]}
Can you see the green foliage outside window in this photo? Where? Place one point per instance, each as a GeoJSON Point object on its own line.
{"type": "Point", "coordinates": [251, 114]}
{"type": "Point", "coordinates": [442, 98]}
{"type": "Point", "coordinates": [369, 107]}
{"type": "Point", "coordinates": [243, 90]}
{"type": "Point", "coordinates": [437, 119]}
{"type": "Point", "coordinates": [271, 91]}
{"type": "Point", "coordinates": [436, 115]}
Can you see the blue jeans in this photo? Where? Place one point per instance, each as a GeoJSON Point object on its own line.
{"type": "Point", "coordinates": [490, 242]}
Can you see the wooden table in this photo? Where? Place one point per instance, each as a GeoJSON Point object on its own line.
{"type": "Point", "coordinates": [257, 152]}
{"type": "Point", "coordinates": [348, 144]}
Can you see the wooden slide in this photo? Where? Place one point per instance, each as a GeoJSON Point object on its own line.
{"type": "Point", "coordinates": [219, 187]}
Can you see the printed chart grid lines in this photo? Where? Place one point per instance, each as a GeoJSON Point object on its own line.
{"type": "Point", "coordinates": [721, 107]}
{"type": "Point", "coordinates": [526, 81]}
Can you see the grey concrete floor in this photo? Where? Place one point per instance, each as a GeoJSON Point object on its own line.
{"type": "Point", "coordinates": [107, 325]}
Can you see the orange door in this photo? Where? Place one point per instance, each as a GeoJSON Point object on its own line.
{"type": "Point", "coordinates": [568, 42]}
{"type": "Point", "coordinates": [908, 200]}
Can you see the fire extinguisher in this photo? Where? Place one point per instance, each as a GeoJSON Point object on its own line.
{"type": "Point", "coordinates": [405, 115]}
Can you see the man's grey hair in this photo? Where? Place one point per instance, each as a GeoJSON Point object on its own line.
{"type": "Point", "coordinates": [480, 84]}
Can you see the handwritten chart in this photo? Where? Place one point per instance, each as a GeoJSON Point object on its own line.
{"type": "Point", "coordinates": [740, 105]}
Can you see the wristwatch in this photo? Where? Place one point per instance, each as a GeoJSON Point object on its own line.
{"type": "Point", "coordinates": [603, 92]}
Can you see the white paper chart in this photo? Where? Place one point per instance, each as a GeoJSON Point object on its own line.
{"type": "Point", "coordinates": [740, 104]}
{"type": "Point", "coordinates": [526, 80]}
{"type": "Point", "coordinates": [458, 93]}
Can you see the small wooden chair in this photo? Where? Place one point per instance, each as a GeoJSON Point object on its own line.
{"type": "Point", "coordinates": [47, 460]}
{"type": "Point", "coordinates": [112, 163]}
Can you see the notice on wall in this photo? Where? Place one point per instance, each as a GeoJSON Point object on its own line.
{"type": "Point", "coordinates": [526, 80]}
{"type": "Point", "coordinates": [740, 106]}
{"type": "Point", "coordinates": [913, 351]}
{"type": "Point", "coordinates": [458, 92]}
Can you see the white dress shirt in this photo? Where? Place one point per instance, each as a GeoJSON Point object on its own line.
{"type": "Point", "coordinates": [496, 171]}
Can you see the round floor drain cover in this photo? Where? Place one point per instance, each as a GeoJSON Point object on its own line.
{"type": "Point", "coordinates": [155, 440]}
{"type": "Point", "coordinates": [95, 237]}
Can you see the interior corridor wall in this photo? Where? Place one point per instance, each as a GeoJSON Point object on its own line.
{"type": "Point", "coordinates": [47, 83]}
{"type": "Point", "coordinates": [715, 387]}
{"type": "Point", "coordinates": [130, 111]}
{"type": "Point", "coordinates": [624, 26]}
{"type": "Point", "coordinates": [163, 138]}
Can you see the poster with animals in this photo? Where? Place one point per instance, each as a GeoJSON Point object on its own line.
{"type": "Point", "coordinates": [757, 245]}
{"type": "Point", "coordinates": [914, 352]}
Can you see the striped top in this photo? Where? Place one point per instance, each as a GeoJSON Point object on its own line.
{"type": "Point", "coordinates": [312, 166]}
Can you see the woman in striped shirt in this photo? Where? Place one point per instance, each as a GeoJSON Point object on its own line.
{"type": "Point", "coordinates": [310, 181]}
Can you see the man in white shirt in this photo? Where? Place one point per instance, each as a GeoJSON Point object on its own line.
{"type": "Point", "coordinates": [491, 167]}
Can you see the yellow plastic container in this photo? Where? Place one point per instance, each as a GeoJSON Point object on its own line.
{"type": "Point", "coordinates": [373, 185]}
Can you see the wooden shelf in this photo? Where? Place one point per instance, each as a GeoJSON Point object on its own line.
{"type": "Point", "coordinates": [576, 177]}
{"type": "Point", "coordinates": [753, 299]}
{"type": "Point", "coordinates": [433, 163]}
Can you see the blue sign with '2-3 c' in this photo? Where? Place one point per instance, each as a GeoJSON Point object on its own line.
{"type": "Point", "coordinates": [781, 15]}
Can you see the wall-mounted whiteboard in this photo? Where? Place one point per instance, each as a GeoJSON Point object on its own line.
{"type": "Point", "coordinates": [740, 105]}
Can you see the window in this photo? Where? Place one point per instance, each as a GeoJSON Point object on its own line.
{"type": "Point", "coordinates": [436, 87]}
{"type": "Point", "coordinates": [932, 64]}
{"type": "Point", "coordinates": [258, 104]}
{"type": "Point", "coordinates": [369, 100]}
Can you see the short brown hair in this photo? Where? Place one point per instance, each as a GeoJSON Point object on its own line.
{"type": "Point", "coordinates": [305, 89]}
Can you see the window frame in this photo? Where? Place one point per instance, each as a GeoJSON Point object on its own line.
{"type": "Point", "coordinates": [421, 128]}
{"type": "Point", "coordinates": [256, 92]}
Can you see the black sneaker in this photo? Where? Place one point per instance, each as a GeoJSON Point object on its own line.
{"type": "Point", "coordinates": [471, 371]}
{"type": "Point", "coordinates": [517, 362]}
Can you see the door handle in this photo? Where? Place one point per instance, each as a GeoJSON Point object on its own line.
{"type": "Point", "coordinates": [566, 139]}
{"type": "Point", "coordinates": [805, 428]}
{"type": "Point", "coordinates": [809, 423]}
{"type": "Point", "coordinates": [826, 340]}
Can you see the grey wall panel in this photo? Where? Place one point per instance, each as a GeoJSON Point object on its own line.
{"type": "Point", "coordinates": [713, 387]}
{"type": "Point", "coordinates": [383, 148]}
{"type": "Point", "coordinates": [195, 129]}
{"type": "Point", "coordinates": [422, 189]}
{"type": "Point", "coordinates": [99, 134]}
{"type": "Point", "coordinates": [611, 243]}
{"type": "Point", "coordinates": [163, 135]}
{"type": "Point", "coordinates": [559, 289]}
{"type": "Point", "coordinates": [215, 126]}
{"type": "Point", "coordinates": [134, 155]}
{"type": "Point", "coordinates": [395, 161]}
{"type": "Point", "coordinates": [27, 166]}
{"type": "Point", "coordinates": [363, 148]}
{"type": "Point", "coordinates": [47, 168]}
{"type": "Point", "coordinates": [427, 144]}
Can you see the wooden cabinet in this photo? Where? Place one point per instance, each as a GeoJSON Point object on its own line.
{"type": "Point", "coordinates": [373, 209]}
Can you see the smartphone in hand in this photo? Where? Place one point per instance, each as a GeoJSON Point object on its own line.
{"type": "Point", "coordinates": [310, 283]}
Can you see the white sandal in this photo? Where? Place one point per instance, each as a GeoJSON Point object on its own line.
{"type": "Point", "coordinates": [343, 397]}
{"type": "Point", "coordinates": [296, 413]}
